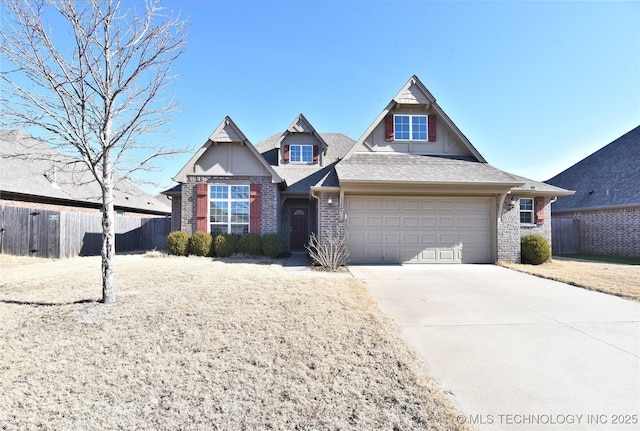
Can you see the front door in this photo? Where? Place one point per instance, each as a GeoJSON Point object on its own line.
{"type": "Point", "coordinates": [298, 227]}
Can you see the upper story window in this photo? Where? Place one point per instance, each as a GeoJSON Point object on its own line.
{"type": "Point", "coordinates": [526, 211]}
{"type": "Point", "coordinates": [410, 127]}
{"type": "Point", "coordinates": [228, 209]}
{"type": "Point", "coordinates": [301, 154]}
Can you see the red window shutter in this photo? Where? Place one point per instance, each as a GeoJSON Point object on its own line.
{"type": "Point", "coordinates": [388, 127]}
{"type": "Point", "coordinates": [432, 128]}
{"type": "Point", "coordinates": [202, 191]}
{"type": "Point", "coordinates": [539, 209]}
{"type": "Point", "coordinates": [254, 208]}
{"type": "Point", "coordinates": [285, 151]}
{"type": "Point", "coordinates": [315, 154]}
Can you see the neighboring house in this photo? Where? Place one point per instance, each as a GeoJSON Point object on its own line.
{"type": "Point", "coordinates": [50, 205]}
{"type": "Point", "coordinates": [603, 216]}
{"type": "Point", "coordinates": [411, 189]}
{"type": "Point", "coordinates": [31, 171]}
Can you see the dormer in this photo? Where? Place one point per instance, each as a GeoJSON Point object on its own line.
{"type": "Point", "coordinates": [300, 144]}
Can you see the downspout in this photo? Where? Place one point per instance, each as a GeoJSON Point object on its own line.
{"type": "Point", "coordinates": [317, 198]}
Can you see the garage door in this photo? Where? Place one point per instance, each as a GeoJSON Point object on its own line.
{"type": "Point", "coordinates": [419, 229]}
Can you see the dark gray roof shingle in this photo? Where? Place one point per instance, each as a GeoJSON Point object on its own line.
{"type": "Point", "coordinates": [609, 177]}
{"type": "Point", "coordinates": [409, 168]}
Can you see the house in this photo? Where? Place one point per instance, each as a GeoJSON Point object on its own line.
{"type": "Point", "coordinates": [31, 171]}
{"type": "Point", "coordinates": [412, 188]}
{"type": "Point", "coordinates": [50, 205]}
{"type": "Point", "coordinates": [604, 213]}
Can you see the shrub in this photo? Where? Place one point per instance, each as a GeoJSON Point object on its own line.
{"type": "Point", "coordinates": [177, 243]}
{"type": "Point", "coordinates": [330, 252]}
{"type": "Point", "coordinates": [272, 245]}
{"type": "Point", "coordinates": [224, 244]}
{"type": "Point", "coordinates": [534, 249]}
{"type": "Point", "coordinates": [200, 244]}
{"type": "Point", "coordinates": [251, 244]}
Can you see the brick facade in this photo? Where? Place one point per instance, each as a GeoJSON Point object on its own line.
{"type": "Point", "coordinates": [608, 232]}
{"type": "Point", "coordinates": [510, 230]}
{"type": "Point", "coordinates": [269, 198]}
{"type": "Point", "coordinates": [330, 215]}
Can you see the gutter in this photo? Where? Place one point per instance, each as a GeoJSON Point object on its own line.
{"type": "Point", "coordinates": [605, 207]}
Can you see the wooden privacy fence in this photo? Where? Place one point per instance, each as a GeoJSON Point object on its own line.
{"type": "Point", "coordinates": [59, 234]}
{"type": "Point", "coordinates": [565, 236]}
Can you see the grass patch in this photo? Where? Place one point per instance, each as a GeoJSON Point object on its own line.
{"type": "Point", "coordinates": [609, 259]}
{"type": "Point", "coordinates": [195, 343]}
{"type": "Point", "coordinates": [613, 278]}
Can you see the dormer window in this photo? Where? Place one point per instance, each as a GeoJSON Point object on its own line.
{"type": "Point", "coordinates": [410, 127]}
{"type": "Point", "coordinates": [301, 154]}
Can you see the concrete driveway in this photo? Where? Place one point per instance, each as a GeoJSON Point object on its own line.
{"type": "Point", "coordinates": [517, 352]}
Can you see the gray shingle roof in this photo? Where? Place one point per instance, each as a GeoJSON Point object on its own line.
{"type": "Point", "coordinates": [300, 178]}
{"type": "Point", "coordinates": [408, 168]}
{"type": "Point", "coordinates": [608, 177]}
{"type": "Point", "coordinates": [30, 167]}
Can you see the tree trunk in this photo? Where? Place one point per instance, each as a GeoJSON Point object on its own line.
{"type": "Point", "coordinates": [108, 235]}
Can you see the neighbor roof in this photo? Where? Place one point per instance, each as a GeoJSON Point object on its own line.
{"type": "Point", "coordinates": [31, 168]}
{"type": "Point", "coordinates": [610, 177]}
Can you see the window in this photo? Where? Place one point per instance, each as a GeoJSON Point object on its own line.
{"type": "Point", "coordinates": [229, 209]}
{"type": "Point", "coordinates": [301, 154]}
{"type": "Point", "coordinates": [410, 127]}
{"type": "Point", "coordinates": [526, 211]}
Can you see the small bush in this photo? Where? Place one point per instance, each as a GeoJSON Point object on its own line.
{"type": "Point", "coordinates": [534, 249]}
{"type": "Point", "coordinates": [272, 245]}
{"type": "Point", "coordinates": [224, 244]}
{"type": "Point", "coordinates": [330, 251]}
{"type": "Point", "coordinates": [251, 244]}
{"type": "Point", "coordinates": [178, 242]}
{"type": "Point", "coordinates": [200, 244]}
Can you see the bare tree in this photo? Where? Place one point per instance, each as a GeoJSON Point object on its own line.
{"type": "Point", "coordinates": [93, 78]}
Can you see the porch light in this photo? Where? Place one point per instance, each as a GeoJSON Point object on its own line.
{"type": "Point", "coordinates": [330, 201]}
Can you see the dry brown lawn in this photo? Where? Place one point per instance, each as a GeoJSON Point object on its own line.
{"type": "Point", "coordinates": [197, 344]}
{"type": "Point", "coordinates": [616, 279]}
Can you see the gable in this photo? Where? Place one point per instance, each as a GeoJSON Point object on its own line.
{"type": "Point", "coordinates": [300, 125]}
{"type": "Point", "coordinates": [226, 132]}
{"type": "Point", "coordinates": [446, 142]}
{"type": "Point", "coordinates": [233, 158]}
{"type": "Point", "coordinates": [438, 135]}
{"type": "Point", "coordinates": [300, 132]}
{"type": "Point", "coordinates": [412, 95]}
{"type": "Point", "coordinates": [227, 152]}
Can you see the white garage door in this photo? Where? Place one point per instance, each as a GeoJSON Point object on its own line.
{"type": "Point", "coordinates": [419, 229]}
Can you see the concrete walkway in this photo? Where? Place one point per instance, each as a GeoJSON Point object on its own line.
{"type": "Point", "coordinates": [297, 261]}
{"type": "Point", "coordinates": [518, 352]}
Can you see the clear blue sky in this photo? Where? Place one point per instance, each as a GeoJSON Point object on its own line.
{"type": "Point", "coordinates": [535, 86]}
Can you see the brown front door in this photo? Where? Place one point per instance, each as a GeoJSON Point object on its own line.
{"type": "Point", "coordinates": [298, 227]}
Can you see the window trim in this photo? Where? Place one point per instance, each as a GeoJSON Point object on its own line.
{"type": "Point", "coordinates": [302, 153]}
{"type": "Point", "coordinates": [531, 211]}
{"type": "Point", "coordinates": [411, 137]}
{"type": "Point", "coordinates": [229, 200]}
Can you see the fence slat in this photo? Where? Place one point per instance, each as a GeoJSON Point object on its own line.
{"type": "Point", "coordinates": [565, 236]}
{"type": "Point", "coordinates": [69, 234]}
